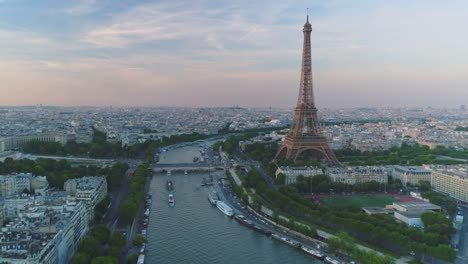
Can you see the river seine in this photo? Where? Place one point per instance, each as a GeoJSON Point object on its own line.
{"type": "Point", "coordinates": [195, 232]}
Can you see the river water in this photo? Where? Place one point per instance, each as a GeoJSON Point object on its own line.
{"type": "Point", "coordinates": [195, 232]}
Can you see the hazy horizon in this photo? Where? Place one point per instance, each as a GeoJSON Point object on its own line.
{"type": "Point", "coordinates": [223, 54]}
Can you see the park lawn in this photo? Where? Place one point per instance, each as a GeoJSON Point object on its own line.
{"type": "Point", "coordinates": [358, 201]}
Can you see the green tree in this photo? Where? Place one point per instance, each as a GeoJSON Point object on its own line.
{"type": "Point", "coordinates": [90, 246]}
{"type": "Point", "coordinates": [133, 259]}
{"type": "Point", "coordinates": [104, 260]}
{"type": "Point", "coordinates": [117, 240]}
{"type": "Point", "coordinates": [101, 233]}
{"type": "Point", "coordinates": [139, 240]}
{"type": "Point", "coordinates": [424, 186]}
{"type": "Point", "coordinates": [114, 252]}
{"type": "Point", "coordinates": [79, 258]}
{"type": "Point", "coordinates": [128, 211]}
{"type": "Point", "coordinates": [280, 179]}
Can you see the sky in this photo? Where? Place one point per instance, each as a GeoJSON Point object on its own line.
{"type": "Point", "coordinates": [232, 53]}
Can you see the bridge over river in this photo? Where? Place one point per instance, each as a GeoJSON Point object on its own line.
{"type": "Point", "coordinates": [170, 167]}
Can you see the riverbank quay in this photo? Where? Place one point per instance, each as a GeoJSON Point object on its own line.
{"type": "Point", "coordinates": [301, 230]}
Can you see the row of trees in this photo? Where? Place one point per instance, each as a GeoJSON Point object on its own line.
{"type": "Point", "coordinates": [262, 152]}
{"type": "Point", "coordinates": [57, 172]}
{"type": "Point", "coordinates": [437, 223]}
{"type": "Point", "coordinates": [231, 143]}
{"type": "Point", "coordinates": [136, 195]}
{"type": "Point", "coordinates": [344, 244]}
{"type": "Point", "coordinates": [265, 152]}
{"type": "Point", "coordinates": [324, 184]}
{"type": "Point", "coordinates": [97, 148]}
{"type": "Point", "coordinates": [100, 247]}
{"type": "Point", "coordinates": [380, 230]}
{"type": "Point", "coordinates": [101, 209]}
{"type": "Point", "coordinates": [405, 155]}
{"type": "Point", "coordinates": [148, 148]}
{"type": "Point", "coordinates": [449, 204]}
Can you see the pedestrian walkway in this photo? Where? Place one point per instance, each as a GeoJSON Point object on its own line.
{"type": "Point", "coordinates": [235, 177]}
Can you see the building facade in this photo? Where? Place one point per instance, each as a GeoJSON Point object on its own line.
{"type": "Point", "coordinates": [410, 212]}
{"type": "Point", "coordinates": [292, 173]}
{"type": "Point", "coordinates": [91, 190]}
{"type": "Point", "coordinates": [452, 181]}
{"type": "Point", "coordinates": [43, 230]}
{"type": "Point", "coordinates": [411, 175]}
{"type": "Point", "coordinates": [14, 143]}
{"type": "Point", "coordinates": [359, 174]}
{"type": "Point", "coordinates": [16, 183]}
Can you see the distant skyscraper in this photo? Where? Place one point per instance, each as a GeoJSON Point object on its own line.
{"type": "Point", "coordinates": [305, 134]}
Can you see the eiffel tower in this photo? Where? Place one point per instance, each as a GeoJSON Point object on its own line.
{"type": "Point", "coordinates": [305, 133]}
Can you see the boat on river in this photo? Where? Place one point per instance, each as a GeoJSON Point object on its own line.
{"type": "Point", "coordinates": [261, 230]}
{"type": "Point", "coordinates": [314, 253]}
{"type": "Point", "coordinates": [331, 261]}
{"type": "Point", "coordinates": [169, 185]}
{"type": "Point", "coordinates": [225, 208]}
{"type": "Point", "coordinates": [244, 221]}
{"type": "Point", "coordinates": [208, 182]}
{"type": "Point", "coordinates": [171, 200]}
{"type": "Point", "coordinates": [287, 241]}
{"type": "Point", "coordinates": [213, 197]}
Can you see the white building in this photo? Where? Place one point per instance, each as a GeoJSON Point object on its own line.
{"type": "Point", "coordinates": [16, 183]}
{"type": "Point", "coordinates": [13, 143]}
{"type": "Point", "coordinates": [74, 229]}
{"type": "Point", "coordinates": [14, 204]}
{"type": "Point", "coordinates": [410, 212]}
{"type": "Point", "coordinates": [293, 172]}
{"type": "Point", "coordinates": [47, 230]}
{"type": "Point", "coordinates": [90, 189]}
{"type": "Point", "coordinates": [359, 174]}
{"type": "Point", "coordinates": [2, 214]}
{"type": "Point", "coordinates": [7, 185]}
{"type": "Point", "coordinates": [411, 175]}
{"type": "Point", "coordinates": [451, 180]}
{"type": "Point", "coordinates": [412, 218]}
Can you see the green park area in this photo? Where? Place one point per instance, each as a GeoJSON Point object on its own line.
{"type": "Point", "coordinates": [357, 201]}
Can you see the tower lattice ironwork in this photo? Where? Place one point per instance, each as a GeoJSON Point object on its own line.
{"type": "Point", "coordinates": [305, 133]}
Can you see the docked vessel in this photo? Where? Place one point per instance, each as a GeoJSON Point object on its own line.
{"type": "Point", "coordinates": [287, 241]}
{"type": "Point", "coordinates": [314, 253]}
{"type": "Point", "coordinates": [225, 208]}
{"type": "Point", "coordinates": [262, 230]}
{"type": "Point", "coordinates": [244, 221]}
{"type": "Point", "coordinates": [206, 182]}
{"type": "Point", "coordinates": [141, 259]}
{"type": "Point", "coordinates": [169, 185]}
{"type": "Point", "coordinates": [171, 200]}
{"type": "Point", "coordinates": [213, 197]}
{"type": "Point", "coordinates": [331, 261]}
{"type": "Point", "coordinates": [168, 173]}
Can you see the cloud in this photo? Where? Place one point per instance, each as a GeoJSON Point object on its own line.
{"type": "Point", "coordinates": [172, 21]}
{"type": "Point", "coordinates": [243, 52]}
{"type": "Point", "coordinates": [83, 7]}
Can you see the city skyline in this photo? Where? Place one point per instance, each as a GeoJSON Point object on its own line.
{"type": "Point", "coordinates": [222, 54]}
